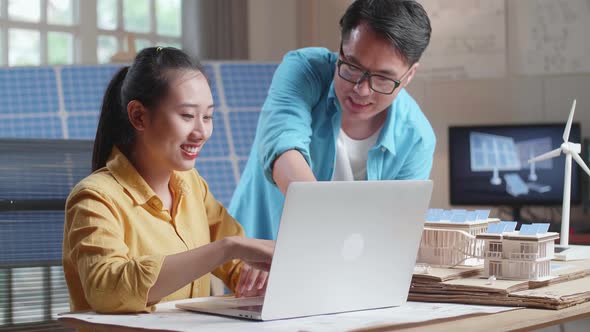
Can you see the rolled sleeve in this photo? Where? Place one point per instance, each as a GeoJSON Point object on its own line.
{"type": "Point", "coordinates": [285, 119]}
{"type": "Point", "coordinates": [112, 281]}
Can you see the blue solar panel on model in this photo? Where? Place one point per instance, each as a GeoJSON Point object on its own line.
{"type": "Point", "coordinates": [83, 87]}
{"type": "Point", "coordinates": [243, 129]}
{"type": "Point", "coordinates": [246, 84]}
{"type": "Point", "coordinates": [212, 82]}
{"type": "Point", "coordinates": [217, 145]}
{"type": "Point", "coordinates": [28, 90]}
{"type": "Point", "coordinates": [46, 126]}
{"type": "Point", "coordinates": [82, 126]}
{"type": "Point", "coordinates": [220, 178]}
{"type": "Point", "coordinates": [43, 231]}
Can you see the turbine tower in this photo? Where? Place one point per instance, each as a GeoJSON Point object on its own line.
{"type": "Point", "coordinates": [570, 150]}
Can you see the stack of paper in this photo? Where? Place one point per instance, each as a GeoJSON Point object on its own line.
{"type": "Point", "coordinates": [568, 287]}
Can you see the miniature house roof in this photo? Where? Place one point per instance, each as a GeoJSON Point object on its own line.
{"type": "Point", "coordinates": [457, 219]}
{"type": "Point", "coordinates": [536, 232]}
{"type": "Point", "coordinates": [496, 231]}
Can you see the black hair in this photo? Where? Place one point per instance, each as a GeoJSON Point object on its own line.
{"type": "Point", "coordinates": [147, 81]}
{"type": "Point", "coordinates": [402, 22]}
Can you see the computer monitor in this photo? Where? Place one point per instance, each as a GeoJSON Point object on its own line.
{"type": "Point", "coordinates": [488, 165]}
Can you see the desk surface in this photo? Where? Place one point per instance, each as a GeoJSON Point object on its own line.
{"type": "Point", "coordinates": [516, 320]}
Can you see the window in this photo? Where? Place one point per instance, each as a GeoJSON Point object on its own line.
{"type": "Point", "coordinates": [124, 24]}
{"type": "Point", "coordinates": [36, 32]}
{"type": "Point", "coordinates": [53, 32]}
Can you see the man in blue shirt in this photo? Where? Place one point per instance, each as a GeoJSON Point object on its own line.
{"type": "Point", "coordinates": [341, 116]}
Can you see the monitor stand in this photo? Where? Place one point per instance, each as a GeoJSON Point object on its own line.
{"type": "Point", "coordinates": [571, 252]}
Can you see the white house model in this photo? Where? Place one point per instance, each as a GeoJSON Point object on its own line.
{"type": "Point", "coordinates": [449, 237]}
{"type": "Point", "coordinates": [519, 255]}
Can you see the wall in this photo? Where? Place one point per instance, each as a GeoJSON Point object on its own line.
{"type": "Point", "coordinates": [272, 29]}
{"type": "Point", "coordinates": [492, 101]}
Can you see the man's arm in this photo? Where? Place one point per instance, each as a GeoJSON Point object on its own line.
{"type": "Point", "coordinates": [291, 167]}
{"type": "Point", "coordinates": [285, 123]}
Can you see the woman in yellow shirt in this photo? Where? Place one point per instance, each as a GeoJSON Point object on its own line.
{"type": "Point", "coordinates": [144, 227]}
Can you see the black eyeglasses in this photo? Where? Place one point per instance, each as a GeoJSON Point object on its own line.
{"type": "Point", "coordinates": [377, 83]}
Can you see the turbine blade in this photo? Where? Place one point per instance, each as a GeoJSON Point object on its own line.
{"type": "Point", "coordinates": [568, 126]}
{"type": "Point", "coordinates": [548, 155]}
{"type": "Point", "coordinates": [580, 162]}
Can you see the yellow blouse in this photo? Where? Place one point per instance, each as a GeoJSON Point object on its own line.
{"type": "Point", "coordinates": [117, 234]}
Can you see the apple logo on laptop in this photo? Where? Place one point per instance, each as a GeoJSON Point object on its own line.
{"type": "Point", "coordinates": [353, 246]}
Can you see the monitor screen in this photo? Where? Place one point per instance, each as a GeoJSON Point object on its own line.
{"type": "Point", "coordinates": [489, 165]}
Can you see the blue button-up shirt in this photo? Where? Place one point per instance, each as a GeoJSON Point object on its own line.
{"type": "Point", "coordinates": [302, 112]}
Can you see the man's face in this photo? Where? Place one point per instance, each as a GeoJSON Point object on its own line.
{"type": "Point", "coordinates": [369, 52]}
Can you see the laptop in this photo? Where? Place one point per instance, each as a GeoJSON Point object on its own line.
{"type": "Point", "coordinates": [342, 246]}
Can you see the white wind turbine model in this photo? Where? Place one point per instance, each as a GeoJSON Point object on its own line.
{"type": "Point", "coordinates": [571, 150]}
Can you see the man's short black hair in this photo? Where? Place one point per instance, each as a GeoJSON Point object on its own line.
{"type": "Point", "coordinates": [403, 22]}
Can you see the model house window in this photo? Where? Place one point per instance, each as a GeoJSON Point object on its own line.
{"type": "Point", "coordinates": [528, 248]}
{"type": "Point", "coordinates": [495, 268]}
{"type": "Point", "coordinates": [495, 247]}
{"type": "Point", "coordinates": [543, 250]}
{"type": "Point", "coordinates": [53, 32]}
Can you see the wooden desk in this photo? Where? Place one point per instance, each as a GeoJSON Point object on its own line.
{"type": "Point", "coordinates": [515, 320]}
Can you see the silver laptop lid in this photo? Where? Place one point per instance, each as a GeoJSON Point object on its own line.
{"type": "Point", "coordinates": [345, 246]}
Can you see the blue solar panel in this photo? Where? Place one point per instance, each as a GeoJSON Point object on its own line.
{"type": "Point", "coordinates": [220, 178]}
{"type": "Point", "coordinates": [43, 231]}
{"type": "Point", "coordinates": [489, 152]}
{"type": "Point", "coordinates": [243, 129]}
{"type": "Point", "coordinates": [482, 214]}
{"type": "Point", "coordinates": [242, 165]}
{"type": "Point", "coordinates": [210, 72]}
{"type": "Point", "coordinates": [217, 145]}
{"type": "Point", "coordinates": [42, 169]}
{"type": "Point", "coordinates": [527, 229]}
{"type": "Point", "coordinates": [84, 86]}
{"type": "Point", "coordinates": [433, 215]}
{"type": "Point", "coordinates": [82, 126]}
{"type": "Point", "coordinates": [46, 126]}
{"type": "Point", "coordinates": [28, 90]}
{"type": "Point", "coordinates": [245, 84]}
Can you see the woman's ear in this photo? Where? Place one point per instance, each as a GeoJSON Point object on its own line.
{"type": "Point", "coordinates": [137, 114]}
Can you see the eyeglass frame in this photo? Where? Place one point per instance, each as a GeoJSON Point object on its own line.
{"type": "Point", "coordinates": [367, 74]}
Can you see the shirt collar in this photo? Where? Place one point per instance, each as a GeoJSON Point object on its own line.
{"type": "Point", "coordinates": [128, 177]}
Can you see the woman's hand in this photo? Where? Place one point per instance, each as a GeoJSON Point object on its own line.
{"type": "Point", "coordinates": [252, 282]}
{"type": "Point", "coordinates": [257, 257]}
{"type": "Point", "coordinates": [254, 252]}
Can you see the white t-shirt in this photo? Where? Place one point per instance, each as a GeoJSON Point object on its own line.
{"type": "Point", "coordinates": [351, 157]}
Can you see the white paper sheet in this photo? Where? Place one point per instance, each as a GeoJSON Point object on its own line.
{"type": "Point", "coordinates": [167, 317]}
